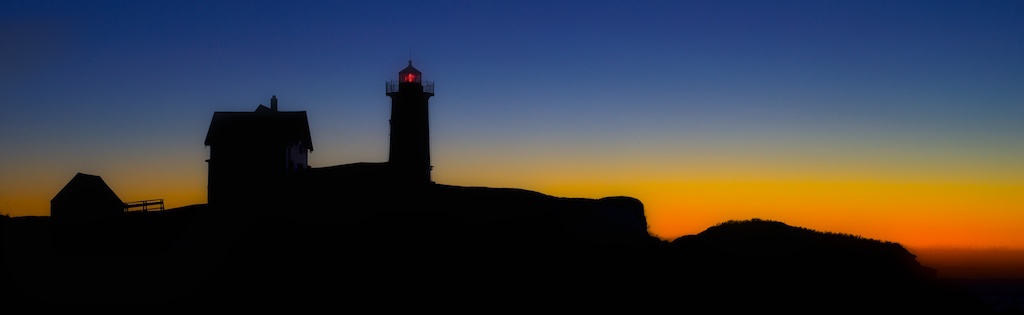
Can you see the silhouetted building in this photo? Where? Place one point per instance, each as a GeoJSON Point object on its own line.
{"type": "Point", "coordinates": [409, 154]}
{"type": "Point", "coordinates": [85, 197]}
{"type": "Point", "coordinates": [250, 151]}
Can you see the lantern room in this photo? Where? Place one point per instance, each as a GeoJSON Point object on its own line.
{"type": "Point", "coordinates": [409, 74]}
{"type": "Point", "coordinates": [410, 80]}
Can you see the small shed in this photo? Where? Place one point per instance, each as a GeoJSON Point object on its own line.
{"type": "Point", "coordinates": [85, 197]}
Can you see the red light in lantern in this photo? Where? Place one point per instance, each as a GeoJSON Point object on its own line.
{"type": "Point", "coordinates": [410, 77]}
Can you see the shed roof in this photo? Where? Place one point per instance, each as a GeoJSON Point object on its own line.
{"type": "Point", "coordinates": [86, 188]}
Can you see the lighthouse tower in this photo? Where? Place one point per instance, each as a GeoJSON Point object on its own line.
{"type": "Point", "coordinates": [409, 153]}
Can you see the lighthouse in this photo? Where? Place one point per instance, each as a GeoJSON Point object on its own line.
{"type": "Point", "coordinates": [409, 152]}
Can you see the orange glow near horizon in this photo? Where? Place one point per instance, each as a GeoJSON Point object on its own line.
{"type": "Point", "coordinates": [916, 215]}
{"type": "Point", "coordinates": [131, 181]}
{"type": "Point", "coordinates": [924, 213]}
{"type": "Point", "coordinates": [877, 190]}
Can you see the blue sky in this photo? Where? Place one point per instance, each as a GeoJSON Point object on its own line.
{"type": "Point", "coordinates": [564, 97]}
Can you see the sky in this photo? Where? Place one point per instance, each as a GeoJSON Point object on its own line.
{"type": "Point", "coordinates": [890, 120]}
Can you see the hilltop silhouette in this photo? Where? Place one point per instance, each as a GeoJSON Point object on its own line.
{"type": "Point", "coordinates": [463, 246]}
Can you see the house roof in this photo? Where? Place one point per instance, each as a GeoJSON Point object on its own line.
{"type": "Point", "coordinates": [86, 188]}
{"type": "Point", "coordinates": [261, 126]}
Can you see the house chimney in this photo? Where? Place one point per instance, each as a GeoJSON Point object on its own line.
{"type": "Point", "coordinates": [273, 103]}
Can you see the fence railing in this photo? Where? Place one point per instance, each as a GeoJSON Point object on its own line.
{"type": "Point", "coordinates": [144, 205]}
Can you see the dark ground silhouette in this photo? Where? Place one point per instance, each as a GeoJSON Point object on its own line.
{"type": "Point", "coordinates": [356, 244]}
